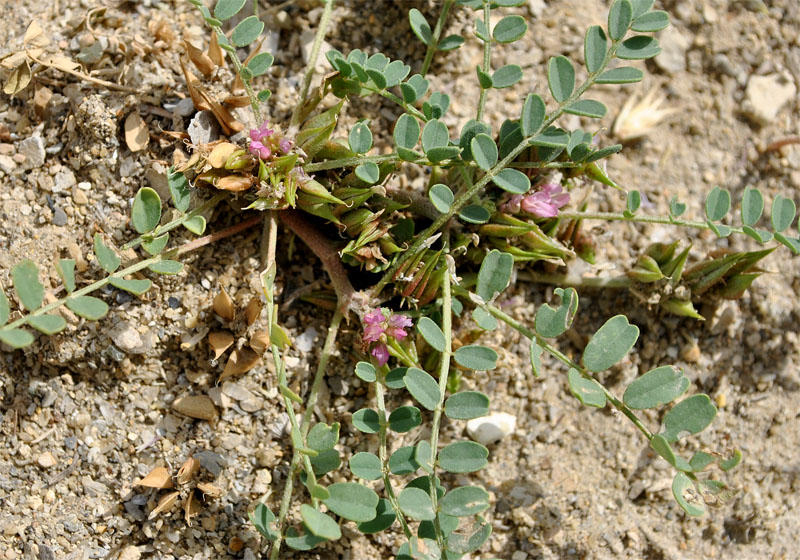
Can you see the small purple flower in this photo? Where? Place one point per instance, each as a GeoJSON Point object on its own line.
{"type": "Point", "coordinates": [379, 326]}
{"type": "Point", "coordinates": [260, 150]}
{"type": "Point", "coordinates": [285, 145]}
{"type": "Point", "coordinates": [546, 202]}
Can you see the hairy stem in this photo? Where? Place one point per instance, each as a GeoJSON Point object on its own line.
{"type": "Point", "coordinates": [437, 34]}
{"type": "Point", "coordinates": [487, 60]}
{"type": "Point", "coordinates": [618, 217]}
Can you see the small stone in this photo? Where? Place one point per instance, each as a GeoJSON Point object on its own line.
{"type": "Point", "coordinates": [691, 352]}
{"type": "Point", "coordinates": [130, 552]}
{"type": "Point", "coordinates": [519, 555]}
{"type": "Point", "coordinates": [7, 149]}
{"type": "Point", "coordinates": [673, 50]}
{"type": "Point", "coordinates": [64, 179]}
{"type": "Point", "coordinates": [33, 150]}
{"type": "Point", "coordinates": [184, 107]}
{"type": "Point", "coordinates": [212, 462]}
{"type": "Point", "coordinates": [236, 391]}
{"type": "Point", "coordinates": [491, 428]}
{"type": "Point", "coordinates": [203, 128]}
{"type": "Point", "coordinates": [59, 217]}
{"type": "Point", "coordinates": [721, 400]}
{"type": "Point", "coordinates": [46, 460]}
{"type": "Point", "coordinates": [765, 96]}
{"type": "Point", "coordinates": [7, 164]}
{"type": "Point", "coordinates": [338, 385]}
{"type": "Point", "coordinates": [305, 342]}
{"type": "Point", "coordinates": [126, 337]}
{"type": "Point", "coordinates": [198, 406]}
{"type": "Point", "coordinates": [79, 197]}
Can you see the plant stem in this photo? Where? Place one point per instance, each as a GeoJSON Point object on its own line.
{"type": "Point", "coordinates": [568, 280]}
{"type": "Point", "coordinates": [444, 371]}
{"type": "Point", "coordinates": [180, 220]}
{"type": "Point", "coordinates": [348, 162]}
{"type": "Point", "coordinates": [327, 350]}
{"type": "Point", "coordinates": [437, 34]}
{"type": "Point", "coordinates": [487, 60]}
{"type": "Point", "coordinates": [618, 217]}
{"type": "Point", "coordinates": [322, 29]}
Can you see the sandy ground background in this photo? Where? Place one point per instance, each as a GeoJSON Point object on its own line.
{"type": "Point", "coordinates": [81, 411]}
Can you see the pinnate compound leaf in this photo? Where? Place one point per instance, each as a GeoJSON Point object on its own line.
{"type": "Point", "coordinates": [48, 324]}
{"type": "Point", "coordinates": [621, 75]}
{"type": "Point", "coordinates": [133, 286]}
{"type": "Point", "coordinates": [360, 138]}
{"type": "Point", "coordinates": [432, 334]}
{"type": "Point", "coordinates": [792, 243]}
{"type": "Point", "coordinates": [87, 307]}
{"type": "Point", "coordinates": [405, 418]}
{"type": "Point", "coordinates": [551, 322]}
{"type": "Point", "coordinates": [178, 189]}
{"type": "Point", "coordinates": [416, 504]}
{"type": "Point", "coordinates": [783, 212]}
{"type": "Point", "coordinates": [680, 484]}
{"type": "Point", "coordinates": [301, 542]}
{"type": "Point", "coordinates": [406, 132]}
{"type": "Point", "coordinates": [366, 420]}
{"type": "Point", "coordinates": [664, 449]}
{"type": "Point", "coordinates": [594, 48]}
{"type": "Point", "coordinates": [484, 151]}
{"type": "Point", "coordinates": [325, 462]}
{"type": "Point", "coordinates": [484, 319]}
{"type": "Point", "coordinates": [366, 465]}
{"type": "Point", "coordinates": [561, 78]}
{"type": "Point", "coordinates": [536, 358]}
{"type": "Point", "coordinates": [166, 267]}
{"type": "Point", "coordinates": [226, 9]}
{"type": "Point", "coordinates": [5, 310]}
{"type": "Point", "coordinates": [513, 181]}
{"type": "Point", "coordinates": [383, 519]}
{"type": "Point", "coordinates": [587, 108]}
{"type": "Point", "coordinates": [322, 437]}
{"type": "Point", "coordinates": [441, 197]}
{"type": "Point", "coordinates": [108, 259]}
{"type": "Point", "coordinates": [247, 31]}
{"type": "Point", "coordinates": [352, 501]}
{"type": "Point", "coordinates": [494, 274]}
{"type": "Point", "coordinates": [732, 461]}
{"type": "Point", "coordinates": [467, 405]}
{"type": "Point", "coordinates": [610, 343]}
{"type": "Point", "coordinates": [464, 501]}
{"type": "Point", "coordinates": [320, 524]}
{"type": "Point", "coordinates": [474, 356]}
{"type": "Point", "coordinates": [506, 76]}
{"type": "Point", "coordinates": [658, 386]}
{"type": "Point", "coordinates": [533, 113]}
{"type": "Point", "coordinates": [366, 372]}
{"type": "Point", "coordinates": [260, 63]}
{"type": "Point", "coordinates": [423, 388]}
{"type": "Point", "coordinates": [509, 29]}
{"type": "Point", "coordinates": [25, 279]}
{"type": "Point", "coordinates": [588, 391]}
{"type": "Point", "coordinates": [66, 270]}
{"type": "Point", "coordinates": [690, 416]}
{"type": "Point", "coordinates": [146, 211]}
{"type": "Point", "coordinates": [16, 338]}
{"type": "Point", "coordinates": [718, 203]}
{"type": "Point", "coordinates": [652, 22]}
{"type": "Point", "coordinates": [463, 457]}
{"type": "Point", "coordinates": [196, 224]}
{"type": "Point", "coordinates": [414, 88]}
{"type": "Point", "coordinates": [752, 206]}
{"type": "Point", "coordinates": [395, 73]}
{"type": "Point", "coordinates": [638, 48]}
{"type": "Point", "coordinates": [619, 19]}
{"type": "Point", "coordinates": [420, 26]}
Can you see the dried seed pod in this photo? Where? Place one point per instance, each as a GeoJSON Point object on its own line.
{"type": "Point", "coordinates": [252, 311]}
{"type": "Point", "coordinates": [209, 489]}
{"type": "Point", "coordinates": [191, 508]}
{"type": "Point", "coordinates": [235, 183]}
{"type": "Point", "coordinates": [215, 51]}
{"type": "Point", "coordinates": [166, 503]}
{"type": "Point", "coordinates": [220, 154]}
{"type": "Point", "coordinates": [219, 342]}
{"type": "Point", "coordinates": [188, 470]}
{"type": "Point", "coordinates": [157, 478]}
{"type": "Point", "coordinates": [259, 341]}
{"type": "Point", "coordinates": [241, 361]}
{"type": "Point", "coordinates": [198, 406]}
{"type": "Point", "coordinates": [200, 59]}
{"type": "Point", "coordinates": [223, 305]}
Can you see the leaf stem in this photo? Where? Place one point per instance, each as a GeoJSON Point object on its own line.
{"type": "Point", "coordinates": [322, 30]}
{"type": "Point", "coordinates": [437, 34]}
{"type": "Point", "coordinates": [487, 59]}
{"type": "Point", "coordinates": [618, 217]}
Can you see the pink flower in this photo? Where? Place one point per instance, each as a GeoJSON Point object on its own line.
{"type": "Point", "coordinates": [285, 145]}
{"type": "Point", "coordinates": [546, 202]}
{"type": "Point", "coordinates": [379, 326]}
{"type": "Point", "coordinates": [260, 150]}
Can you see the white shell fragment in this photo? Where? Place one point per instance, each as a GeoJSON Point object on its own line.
{"type": "Point", "coordinates": [491, 428]}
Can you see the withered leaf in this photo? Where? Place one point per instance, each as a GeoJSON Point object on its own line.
{"type": "Point", "coordinates": [166, 503]}
{"type": "Point", "coordinates": [241, 361]}
{"type": "Point", "coordinates": [137, 135]}
{"type": "Point", "coordinates": [259, 341]}
{"type": "Point", "coordinates": [219, 342]}
{"type": "Point", "coordinates": [157, 478]}
{"type": "Point", "coordinates": [191, 508]}
{"type": "Point", "coordinates": [223, 305]}
{"type": "Point", "coordinates": [209, 489]}
{"type": "Point", "coordinates": [252, 311]}
{"type": "Point", "coordinates": [198, 406]}
{"type": "Point", "coordinates": [18, 80]}
{"type": "Point", "coordinates": [188, 470]}
{"type": "Point", "coordinates": [215, 51]}
{"type": "Point", "coordinates": [200, 59]}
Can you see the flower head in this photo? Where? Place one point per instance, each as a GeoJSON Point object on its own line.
{"type": "Point", "coordinates": [544, 203]}
{"type": "Point", "coordinates": [379, 326]}
{"type": "Point", "coordinates": [265, 142]}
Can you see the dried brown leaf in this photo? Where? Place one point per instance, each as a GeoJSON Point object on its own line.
{"type": "Point", "coordinates": [188, 470]}
{"type": "Point", "coordinates": [157, 478]}
{"type": "Point", "coordinates": [235, 183]}
{"type": "Point", "coordinates": [191, 508]}
{"type": "Point", "coordinates": [197, 406]}
{"type": "Point", "coordinates": [241, 361]}
{"type": "Point", "coordinates": [194, 88]}
{"type": "Point", "coordinates": [259, 341]}
{"type": "Point", "coordinates": [12, 60]}
{"type": "Point", "coordinates": [160, 29]}
{"type": "Point", "coordinates": [164, 504]}
{"type": "Point", "coordinates": [252, 311]}
{"type": "Point", "coordinates": [18, 80]}
{"type": "Point", "coordinates": [209, 489]}
{"type": "Point", "coordinates": [220, 154]}
{"type": "Point", "coordinates": [223, 305]}
{"type": "Point", "coordinates": [215, 51]}
{"type": "Point", "coordinates": [219, 342]}
{"type": "Point", "coordinates": [236, 101]}
{"type": "Point", "coordinates": [137, 136]}
{"type": "Point", "coordinates": [200, 59]}
{"type": "Point", "coordinates": [61, 62]}
{"type": "Point", "coordinates": [34, 36]}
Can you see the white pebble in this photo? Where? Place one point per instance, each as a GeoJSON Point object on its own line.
{"type": "Point", "coordinates": [491, 428]}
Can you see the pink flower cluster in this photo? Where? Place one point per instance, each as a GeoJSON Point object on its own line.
{"type": "Point", "coordinates": [544, 203]}
{"type": "Point", "coordinates": [380, 324]}
{"type": "Point", "coordinates": [265, 141]}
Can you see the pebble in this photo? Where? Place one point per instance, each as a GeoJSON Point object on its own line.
{"type": "Point", "coordinates": [305, 342]}
{"type": "Point", "coordinates": [126, 337]}
{"type": "Point", "coordinates": [33, 150]}
{"type": "Point", "coordinates": [673, 50]}
{"type": "Point", "coordinates": [338, 385]}
{"type": "Point", "coordinates": [184, 107]}
{"type": "Point", "coordinates": [64, 179]}
{"type": "Point", "coordinates": [7, 164]}
{"type": "Point", "coordinates": [491, 428]}
{"type": "Point", "coordinates": [46, 460]}
{"type": "Point", "coordinates": [203, 128]}
{"type": "Point", "coordinates": [59, 217]}
{"type": "Point", "coordinates": [765, 96]}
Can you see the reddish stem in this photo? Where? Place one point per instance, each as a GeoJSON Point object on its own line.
{"type": "Point", "coordinates": [216, 236]}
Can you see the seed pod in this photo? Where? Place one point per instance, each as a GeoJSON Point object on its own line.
{"type": "Point", "coordinates": [188, 470]}
{"type": "Point", "coordinates": [239, 160]}
{"type": "Point", "coordinates": [681, 307]}
{"type": "Point", "coordinates": [157, 478]}
{"type": "Point", "coordinates": [736, 285]}
{"type": "Point", "coordinates": [220, 154]}
{"type": "Point", "coordinates": [646, 270]}
{"type": "Point", "coordinates": [166, 503]}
